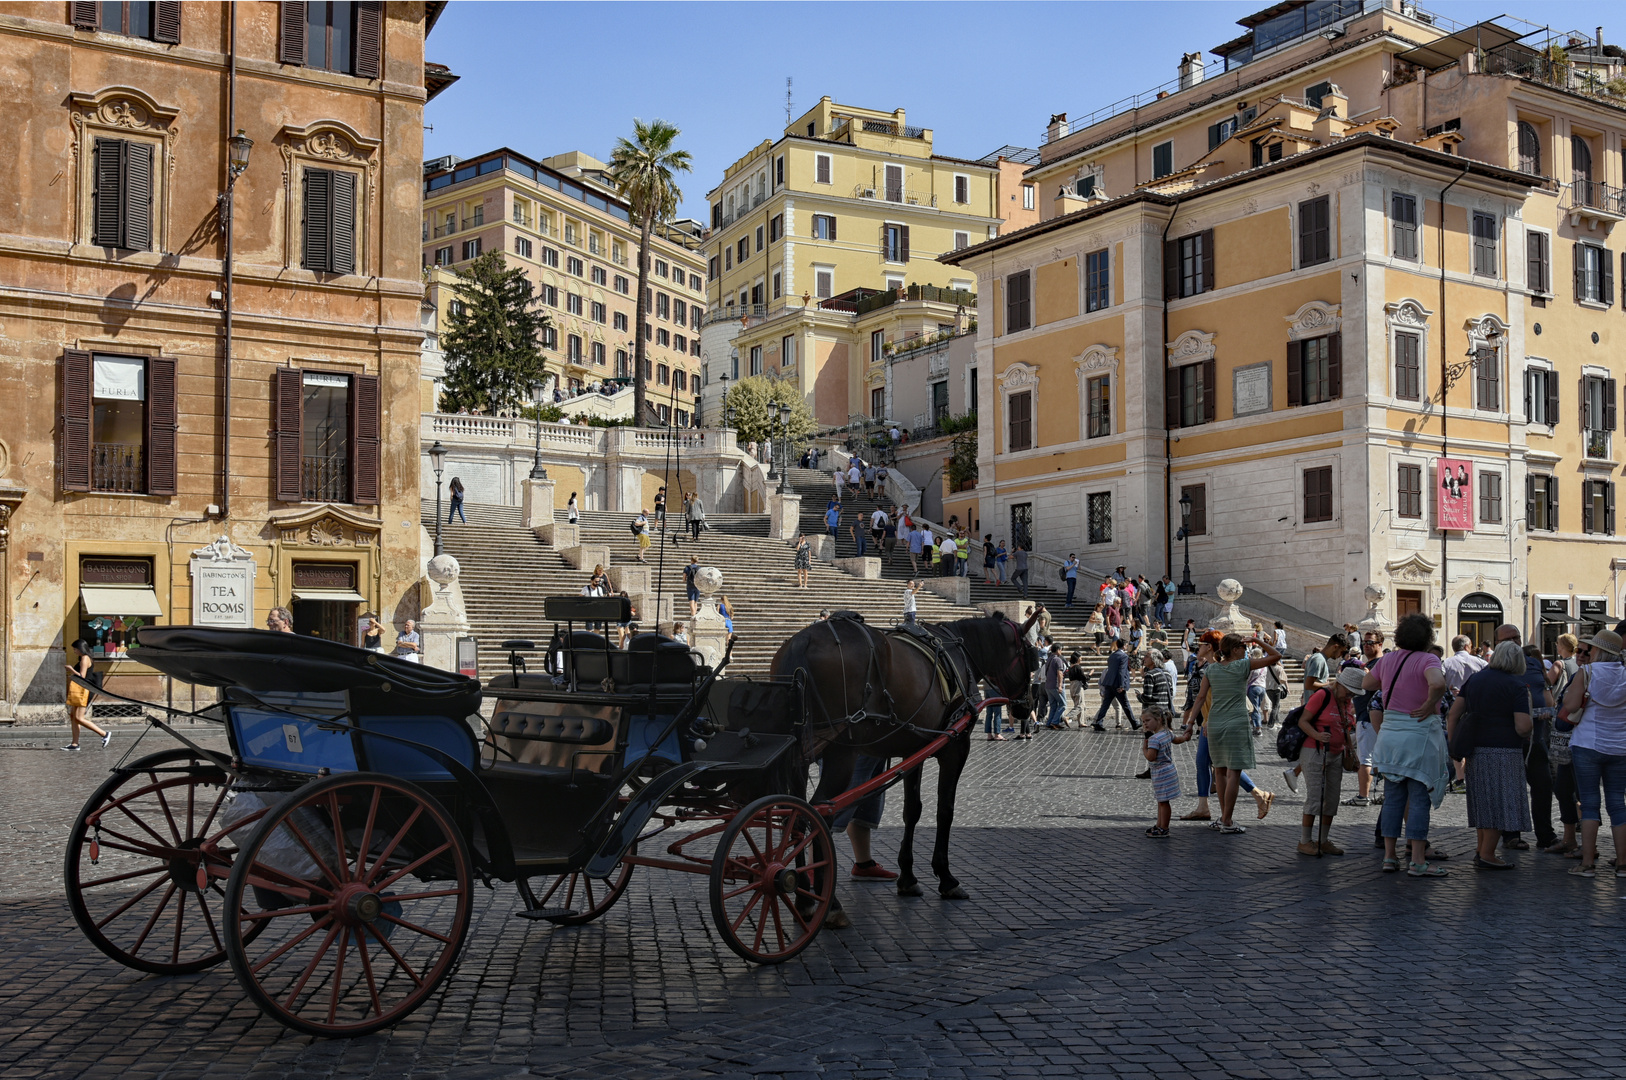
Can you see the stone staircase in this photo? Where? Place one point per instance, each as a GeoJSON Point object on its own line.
{"type": "Point", "coordinates": [507, 572]}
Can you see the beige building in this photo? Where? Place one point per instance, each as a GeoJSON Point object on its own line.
{"type": "Point", "coordinates": [192, 437]}
{"type": "Point", "coordinates": [1348, 294]}
{"type": "Point", "coordinates": [559, 220]}
{"type": "Point", "coordinates": [808, 228]}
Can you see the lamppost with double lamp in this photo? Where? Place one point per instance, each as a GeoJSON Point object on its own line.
{"type": "Point", "coordinates": [1185, 588]}
{"type": "Point", "coordinates": [437, 458]}
{"type": "Point", "coordinates": [722, 400]}
{"type": "Point", "coordinates": [784, 444]}
{"type": "Point", "coordinates": [537, 471]}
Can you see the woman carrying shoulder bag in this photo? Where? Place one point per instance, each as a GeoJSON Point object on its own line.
{"type": "Point", "coordinates": [1598, 747]}
{"type": "Point", "coordinates": [1410, 752]}
{"type": "Point", "coordinates": [1489, 720]}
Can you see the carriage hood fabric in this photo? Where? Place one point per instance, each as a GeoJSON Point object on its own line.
{"type": "Point", "coordinates": [260, 660]}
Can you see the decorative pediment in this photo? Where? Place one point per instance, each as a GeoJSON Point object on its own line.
{"type": "Point", "coordinates": [1412, 568]}
{"type": "Point", "coordinates": [125, 107]}
{"type": "Point", "coordinates": [1313, 320]}
{"type": "Point", "coordinates": [1408, 313]}
{"type": "Point", "coordinates": [1191, 346]}
{"type": "Point", "coordinates": [1097, 358]}
{"type": "Point", "coordinates": [1485, 331]}
{"type": "Point", "coordinates": [330, 139]}
{"type": "Point", "coordinates": [222, 551]}
{"type": "Point", "coordinates": [1019, 376]}
{"type": "Point", "coordinates": [326, 525]}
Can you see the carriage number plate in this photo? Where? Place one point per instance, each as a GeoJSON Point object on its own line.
{"type": "Point", "coordinates": [290, 735]}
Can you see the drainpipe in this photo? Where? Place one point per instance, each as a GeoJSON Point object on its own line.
{"type": "Point", "coordinates": [225, 361]}
{"type": "Point", "coordinates": [1168, 434]}
{"type": "Point", "coordinates": [1445, 366]}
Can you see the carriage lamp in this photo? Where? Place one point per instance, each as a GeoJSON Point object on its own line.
{"type": "Point", "coordinates": [237, 150]}
{"type": "Point", "coordinates": [437, 460]}
{"type": "Point", "coordinates": [1185, 588]}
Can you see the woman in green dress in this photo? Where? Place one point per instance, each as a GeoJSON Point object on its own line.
{"type": "Point", "coordinates": [1229, 732]}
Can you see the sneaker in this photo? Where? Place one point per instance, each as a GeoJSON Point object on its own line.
{"type": "Point", "coordinates": [1232, 830]}
{"type": "Point", "coordinates": [1308, 847]}
{"type": "Point", "coordinates": [1330, 848]}
{"type": "Point", "coordinates": [70, 746]}
{"type": "Point", "coordinates": [874, 872]}
{"type": "Point", "coordinates": [107, 739]}
{"type": "Point", "coordinates": [1292, 780]}
{"type": "Point", "coordinates": [1357, 800]}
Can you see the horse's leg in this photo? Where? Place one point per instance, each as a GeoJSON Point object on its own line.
{"type": "Point", "coordinates": [908, 885]}
{"type": "Point", "coordinates": [950, 764]}
{"type": "Point", "coordinates": [835, 776]}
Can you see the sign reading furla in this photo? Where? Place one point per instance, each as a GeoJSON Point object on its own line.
{"type": "Point", "coordinates": [222, 585]}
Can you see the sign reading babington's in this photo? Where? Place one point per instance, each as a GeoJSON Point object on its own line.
{"type": "Point", "coordinates": [1455, 495]}
{"type": "Point", "coordinates": [222, 585]}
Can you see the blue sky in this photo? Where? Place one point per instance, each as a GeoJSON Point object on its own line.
{"type": "Point", "coordinates": [544, 78]}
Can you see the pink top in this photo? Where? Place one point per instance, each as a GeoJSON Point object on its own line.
{"type": "Point", "coordinates": [1411, 686]}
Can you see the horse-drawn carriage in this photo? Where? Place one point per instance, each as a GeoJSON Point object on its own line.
{"type": "Point", "coordinates": [331, 855]}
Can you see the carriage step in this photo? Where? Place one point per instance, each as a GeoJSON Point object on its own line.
{"type": "Point", "coordinates": [548, 913]}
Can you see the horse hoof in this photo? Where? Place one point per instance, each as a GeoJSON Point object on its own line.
{"type": "Point", "coordinates": [837, 920]}
{"type": "Point", "coordinates": [955, 893]}
{"type": "Point", "coordinates": [912, 889]}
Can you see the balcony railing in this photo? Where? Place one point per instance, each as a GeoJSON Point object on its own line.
{"type": "Point", "coordinates": [325, 478]}
{"type": "Point", "coordinates": [119, 467]}
{"type": "Point", "coordinates": [1591, 196]}
{"type": "Point", "coordinates": [445, 230]}
{"type": "Point", "coordinates": [896, 195]}
{"type": "Point", "coordinates": [618, 258]}
{"type": "Point", "coordinates": [878, 127]}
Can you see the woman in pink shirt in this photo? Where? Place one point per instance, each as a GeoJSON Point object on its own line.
{"type": "Point", "coordinates": [1410, 752]}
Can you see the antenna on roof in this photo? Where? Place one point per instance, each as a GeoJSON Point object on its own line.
{"type": "Point", "coordinates": [790, 112]}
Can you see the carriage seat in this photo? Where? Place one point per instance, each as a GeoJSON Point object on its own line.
{"type": "Point", "coordinates": [550, 727]}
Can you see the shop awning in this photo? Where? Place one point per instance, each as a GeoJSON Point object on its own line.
{"type": "Point", "coordinates": [347, 596]}
{"type": "Point", "coordinates": [119, 600]}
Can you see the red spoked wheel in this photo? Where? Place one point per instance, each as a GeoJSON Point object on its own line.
{"type": "Point", "coordinates": [772, 879]}
{"type": "Point", "coordinates": [356, 892]}
{"type": "Point", "coordinates": [148, 859]}
{"type": "Point", "coordinates": [586, 897]}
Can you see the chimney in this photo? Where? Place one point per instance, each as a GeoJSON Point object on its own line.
{"type": "Point", "coordinates": [1057, 127]}
{"type": "Point", "coordinates": [1191, 70]}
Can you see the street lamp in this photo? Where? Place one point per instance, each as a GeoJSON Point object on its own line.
{"type": "Point", "coordinates": [1185, 588]}
{"type": "Point", "coordinates": [237, 151]}
{"type": "Point", "coordinates": [437, 458]}
{"type": "Point", "coordinates": [784, 444]}
{"type": "Point", "coordinates": [722, 401]}
{"type": "Point", "coordinates": [537, 471]}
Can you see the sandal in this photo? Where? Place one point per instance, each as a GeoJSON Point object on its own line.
{"type": "Point", "coordinates": [1489, 864]}
{"type": "Point", "coordinates": [1583, 870]}
{"type": "Point", "coordinates": [1391, 865]}
{"type": "Point", "coordinates": [1195, 815]}
{"type": "Point", "coordinates": [1424, 869]}
{"type": "Point", "coordinates": [1232, 830]}
{"type": "Point", "coordinates": [1157, 832]}
{"type": "Point", "coordinates": [1264, 799]}
{"type": "Point", "coordinates": [1214, 826]}
{"type": "Point", "coordinates": [1518, 843]}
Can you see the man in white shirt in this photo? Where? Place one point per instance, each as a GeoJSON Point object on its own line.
{"type": "Point", "coordinates": [878, 522]}
{"type": "Point", "coordinates": [855, 478]}
{"type": "Point", "coordinates": [1281, 639]}
{"type": "Point", "coordinates": [1460, 664]}
{"type": "Point", "coordinates": [947, 552]}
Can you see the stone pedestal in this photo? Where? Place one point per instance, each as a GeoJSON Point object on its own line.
{"type": "Point", "coordinates": [537, 505]}
{"type": "Point", "coordinates": [634, 579]}
{"type": "Point", "coordinates": [1231, 620]}
{"type": "Point", "coordinates": [823, 547]}
{"type": "Point", "coordinates": [956, 590]}
{"type": "Point", "coordinates": [1376, 622]}
{"type": "Point", "coordinates": [706, 632]}
{"type": "Point", "coordinates": [784, 516]}
{"type": "Point", "coordinates": [860, 566]}
{"type": "Point", "coordinates": [586, 556]}
{"type": "Point", "coordinates": [444, 618]}
{"type": "Point", "coordinates": [559, 536]}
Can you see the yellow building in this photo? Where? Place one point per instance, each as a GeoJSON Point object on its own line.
{"type": "Point", "coordinates": [806, 229]}
{"type": "Point", "coordinates": [1349, 292]}
{"type": "Point", "coordinates": [559, 220]}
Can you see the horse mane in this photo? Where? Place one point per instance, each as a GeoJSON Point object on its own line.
{"type": "Point", "coordinates": [983, 636]}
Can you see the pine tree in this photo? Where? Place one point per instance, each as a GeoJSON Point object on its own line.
{"type": "Point", "coordinates": [493, 339]}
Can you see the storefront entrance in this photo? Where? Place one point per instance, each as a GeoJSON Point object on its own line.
{"type": "Point", "coordinates": [325, 601]}
{"type": "Point", "coordinates": [1478, 616]}
{"type": "Point", "coordinates": [331, 620]}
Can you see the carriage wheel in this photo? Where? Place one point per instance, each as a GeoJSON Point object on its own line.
{"type": "Point", "coordinates": [359, 890]}
{"type": "Point", "coordinates": [588, 897]}
{"type": "Point", "coordinates": [772, 879]}
{"type": "Point", "coordinates": [147, 862]}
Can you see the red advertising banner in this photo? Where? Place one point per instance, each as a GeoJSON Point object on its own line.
{"type": "Point", "coordinates": [1454, 494]}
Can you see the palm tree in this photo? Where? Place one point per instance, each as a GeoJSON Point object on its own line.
{"type": "Point", "coordinates": [641, 169]}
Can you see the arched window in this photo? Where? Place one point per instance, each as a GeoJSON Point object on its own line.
{"type": "Point", "coordinates": [1529, 149]}
{"type": "Point", "coordinates": [1582, 163]}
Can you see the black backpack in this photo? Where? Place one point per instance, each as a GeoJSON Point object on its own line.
{"type": "Point", "coordinates": [1290, 739]}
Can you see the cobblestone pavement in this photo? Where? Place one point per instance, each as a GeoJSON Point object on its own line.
{"type": "Point", "coordinates": [1086, 950]}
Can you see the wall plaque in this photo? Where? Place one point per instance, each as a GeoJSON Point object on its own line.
{"type": "Point", "coordinates": [222, 585]}
{"type": "Point", "coordinates": [324, 575]}
{"type": "Point", "coordinates": [1250, 389]}
{"type": "Point", "coordinates": [115, 571]}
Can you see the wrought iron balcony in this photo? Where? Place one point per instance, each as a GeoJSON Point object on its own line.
{"type": "Point", "coordinates": [119, 467]}
{"type": "Point", "coordinates": [325, 478]}
{"type": "Point", "coordinates": [1593, 201]}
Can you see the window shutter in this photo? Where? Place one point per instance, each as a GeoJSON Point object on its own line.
{"type": "Point", "coordinates": [1171, 269]}
{"type": "Point", "coordinates": [1533, 262]}
{"type": "Point", "coordinates": [1587, 524]}
{"type": "Point", "coordinates": [166, 22]}
{"type": "Point", "coordinates": [137, 196]}
{"type": "Point", "coordinates": [291, 48]}
{"type": "Point", "coordinates": [1295, 373]}
{"type": "Point", "coordinates": [1529, 502]}
{"type": "Point", "coordinates": [1213, 136]}
{"type": "Point", "coordinates": [342, 230]}
{"type": "Point", "coordinates": [288, 399]}
{"type": "Point", "coordinates": [74, 425]}
{"type": "Point", "coordinates": [107, 226]}
{"type": "Point", "coordinates": [1580, 270]}
{"type": "Point", "coordinates": [1552, 397]}
{"type": "Point", "coordinates": [1335, 365]}
{"type": "Point", "coordinates": [86, 17]}
{"type": "Point", "coordinates": [1606, 267]}
{"type": "Point", "coordinates": [1608, 507]}
{"type": "Point", "coordinates": [369, 39]}
{"type": "Point", "coordinates": [318, 206]}
{"type": "Point", "coordinates": [904, 231]}
{"type": "Point", "coordinates": [162, 422]}
{"type": "Point", "coordinates": [1586, 404]}
{"type": "Point", "coordinates": [1210, 391]}
{"type": "Point", "coordinates": [832, 220]}
{"type": "Point", "coordinates": [1609, 404]}
{"type": "Point", "coordinates": [1552, 503]}
{"type": "Point", "coordinates": [1171, 398]}
{"type": "Point", "coordinates": [1208, 260]}
{"type": "Point", "coordinates": [365, 425]}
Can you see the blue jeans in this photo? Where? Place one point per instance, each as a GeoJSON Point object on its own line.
{"type": "Point", "coordinates": [1591, 768]}
{"type": "Point", "coordinates": [1407, 799]}
{"type": "Point", "coordinates": [1072, 583]}
{"type": "Point", "coordinates": [993, 718]}
{"type": "Point", "coordinates": [1058, 707]}
{"type": "Point", "coordinates": [457, 508]}
{"type": "Point", "coordinates": [867, 812]}
{"type": "Point", "coordinates": [1205, 771]}
{"type": "Point", "coordinates": [859, 541]}
{"type": "Point", "coordinates": [1256, 694]}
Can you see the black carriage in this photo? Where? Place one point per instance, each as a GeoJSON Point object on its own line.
{"type": "Point", "coordinates": [332, 854]}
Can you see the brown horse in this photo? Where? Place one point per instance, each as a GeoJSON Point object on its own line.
{"type": "Point", "coordinates": [888, 694]}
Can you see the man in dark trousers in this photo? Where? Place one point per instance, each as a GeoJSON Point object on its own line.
{"type": "Point", "coordinates": [1115, 687]}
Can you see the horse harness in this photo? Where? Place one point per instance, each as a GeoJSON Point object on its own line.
{"type": "Point", "coordinates": [954, 677]}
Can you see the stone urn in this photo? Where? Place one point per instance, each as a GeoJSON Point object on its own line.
{"type": "Point", "coordinates": [1232, 621]}
{"type": "Point", "coordinates": [1375, 621]}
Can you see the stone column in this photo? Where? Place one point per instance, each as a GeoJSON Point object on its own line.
{"type": "Point", "coordinates": [784, 516]}
{"type": "Point", "coordinates": [444, 618]}
{"type": "Point", "coordinates": [537, 502]}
